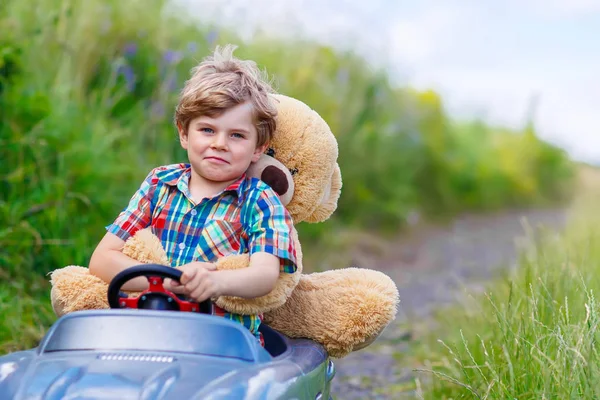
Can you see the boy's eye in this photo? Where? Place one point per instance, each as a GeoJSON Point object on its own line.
{"type": "Point", "coordinates": [237, 135]}
{"type": "Point", "coordinates": [207, 130]}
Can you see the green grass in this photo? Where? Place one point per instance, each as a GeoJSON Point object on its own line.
{"type": "Point", "coordinates": [534, 334]}
{"type": "Point", "coordinates": [26, 312]}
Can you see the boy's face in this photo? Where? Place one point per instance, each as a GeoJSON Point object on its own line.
{"type": "Point", "coordinates": [220, 149]}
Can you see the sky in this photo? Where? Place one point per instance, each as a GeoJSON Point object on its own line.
{"type": "Point", "coordinates": [501, 61]}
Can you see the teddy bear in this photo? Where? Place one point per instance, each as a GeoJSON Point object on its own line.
{"type": "Point", "coordinates": [344, 309]}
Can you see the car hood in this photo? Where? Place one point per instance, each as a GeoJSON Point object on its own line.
{"type": "Point", "coordinates": [130, 375]}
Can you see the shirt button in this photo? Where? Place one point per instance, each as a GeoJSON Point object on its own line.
{"type": "Point", "coordinates": [194, 212]}
{"type": "Point", "coordinates": [181, 246]}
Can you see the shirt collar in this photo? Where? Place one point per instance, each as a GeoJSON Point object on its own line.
{"type": "Point", "coordinates": [180, 178]}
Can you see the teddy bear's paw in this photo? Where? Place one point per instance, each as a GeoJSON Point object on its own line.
{"type": "Point", "coordinates": [344, 310]}
{"type": "Point", "coordinates": [363, 312]}
{"type": "Point", "coordinates": [370, 301]}
{"type": "Point", "coordinates": [146, 248]}
{"type": "Point", "coordinates": [74, 289]}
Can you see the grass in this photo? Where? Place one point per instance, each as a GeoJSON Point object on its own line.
{"type": "Point", "coordinates": [534, 333]}
{"type": "Point", "coordinates": [26, 312]}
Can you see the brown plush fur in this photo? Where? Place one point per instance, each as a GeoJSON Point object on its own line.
{"type": "Point", "coordinates": [146, 248]}
{"type": "Point", "coordinates": [74, 289]}
{"type": "Point", "coordinates": [304, 143]}
{"type": "Point", "coordinates": [344, 310]}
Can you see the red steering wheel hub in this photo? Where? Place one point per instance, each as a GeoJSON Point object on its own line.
{"type": "Point", "coordinates": [156, 297]}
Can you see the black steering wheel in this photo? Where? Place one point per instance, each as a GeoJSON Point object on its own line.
{"type": "Point", "coordinates": [156, 297]}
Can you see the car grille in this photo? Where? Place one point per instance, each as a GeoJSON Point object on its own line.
{"type": "Point", "coordinates": [136, 357]}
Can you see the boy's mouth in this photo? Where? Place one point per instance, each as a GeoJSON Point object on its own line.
{"type": "Point", "coordinates": [216, 160]}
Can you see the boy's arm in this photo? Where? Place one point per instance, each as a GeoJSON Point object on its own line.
{"type": "Point", "coordinates": [257, 280]}
{"type": "Point", "coordinates": [108, 260]}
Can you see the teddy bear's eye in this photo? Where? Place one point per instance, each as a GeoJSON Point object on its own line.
{"type": "Point", "coordinates": [294, 171]}
{"type": "Point", "coordinates": [271, 152]}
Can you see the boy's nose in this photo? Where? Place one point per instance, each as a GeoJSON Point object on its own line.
{"type": "Point", "coordinates": [219, 142]}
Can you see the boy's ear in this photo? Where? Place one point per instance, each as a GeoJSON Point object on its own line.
{"type": "Point", "coordinates": [258, 152]}
{"type": "Point", "coordinates": [183, 137]}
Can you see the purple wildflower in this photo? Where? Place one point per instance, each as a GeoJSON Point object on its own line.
{"type": "Point", "coordinates": [211, 37]}
{"type": "Point", "coordinates": [172, 83]}
{"type": "Point", "coordinates": [172, 57]}
{"type": "Point", "coordinates": [130, 49]}
{"type": "Point", "coordinates": [127, 73]}
{"type": "Point", "coordinates": [191, 47]}
{"type": "Point", "coordinates": [157, 110]}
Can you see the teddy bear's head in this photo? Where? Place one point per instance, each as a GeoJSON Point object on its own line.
{"type": "Point", "coordinates": [300, 163]}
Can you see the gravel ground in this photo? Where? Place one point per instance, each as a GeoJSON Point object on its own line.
{"type": "Point", "coordinates": [430, 266]}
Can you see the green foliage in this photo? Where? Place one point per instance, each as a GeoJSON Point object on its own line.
{"type": "Point", "coordinates": [26, 311]}
{"type": "Point", "coordinates": [472, 166]}
{"type": "Point", "coordinates": [87, 93]}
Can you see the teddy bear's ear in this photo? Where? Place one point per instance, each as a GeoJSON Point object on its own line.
{"type": "Point", "coordinates": [330, 198]}
{"type": "Point", "coordinates": [274, 174]}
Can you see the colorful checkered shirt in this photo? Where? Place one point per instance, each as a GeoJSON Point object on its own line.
{"type": "Point", "coordinates": [247, 217]}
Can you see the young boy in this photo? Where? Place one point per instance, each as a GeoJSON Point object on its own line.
{"type": "Point", "coordinates": [208, 208]}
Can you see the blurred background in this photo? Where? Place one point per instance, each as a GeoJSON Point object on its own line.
{"type": "Point", "coordinates": [439, 108]}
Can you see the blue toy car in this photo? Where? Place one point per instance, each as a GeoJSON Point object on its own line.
{"type": "Point", "coordinates": [154, 353]}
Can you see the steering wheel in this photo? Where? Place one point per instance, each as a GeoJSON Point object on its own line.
{"type": "Point", "coordinates": [156, 297]}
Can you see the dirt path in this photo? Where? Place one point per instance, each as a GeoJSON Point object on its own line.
{"type": "Point", "coordinates": [430, 266]}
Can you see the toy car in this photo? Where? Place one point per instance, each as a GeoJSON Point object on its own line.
{"type": "Point", "coordinates": [155, 353]}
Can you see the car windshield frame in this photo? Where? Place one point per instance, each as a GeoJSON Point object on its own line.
{"type": "Point", "coordinates": [151, 331]}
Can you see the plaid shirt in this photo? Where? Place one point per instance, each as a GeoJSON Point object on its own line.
{"type": "Point", "coordinates": [247, 217]}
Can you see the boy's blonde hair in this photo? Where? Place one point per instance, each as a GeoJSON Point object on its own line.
{"type": "Point", "coordinates": [222, 81]}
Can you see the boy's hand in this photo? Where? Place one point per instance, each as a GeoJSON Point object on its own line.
{"type": "Point", "coordinates": [198, 281]}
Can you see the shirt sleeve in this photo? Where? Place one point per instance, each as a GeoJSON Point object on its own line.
{"type": "Point", "coordinates": [271, 230]}
{"type": "Point", "coordinates": [138, 213]}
